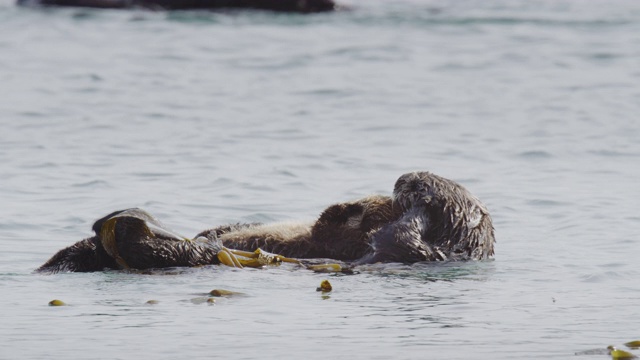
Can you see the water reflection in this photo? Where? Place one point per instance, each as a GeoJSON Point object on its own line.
{"type": "Point", "coordinates": [447, 271]}
{"type": "Point", "coordinates": [420, 296]}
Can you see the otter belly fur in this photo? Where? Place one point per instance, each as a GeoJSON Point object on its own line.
{"type": "Point", "coordinates": [341, 232]}
{"type": "Point", "coordinates": [428, 218]}
{"type": "Point", "coordinates": [279, 238]}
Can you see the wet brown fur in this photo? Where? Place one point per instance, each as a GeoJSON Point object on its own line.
{"type": "Point", "coordinates": [429, 218]}
{"type": "Point", "coordinates": [82, 256]}
{"type": "Point", "coordinates": [341, 232]}
{"type": "Point", "coordinates": [135, 246]}
{"type": "Point", "coordinates": [439, 220]}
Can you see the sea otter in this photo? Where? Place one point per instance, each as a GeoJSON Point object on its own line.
{"type": "Point", "coordinates": [429, 218]}
{"type": "Point", "coordinates": [300, 6]}
{"type": "Point", "coordinates": [133, 239]}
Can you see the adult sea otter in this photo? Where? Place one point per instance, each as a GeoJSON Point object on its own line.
{"type": "Point", "coordinates": [429, 218]}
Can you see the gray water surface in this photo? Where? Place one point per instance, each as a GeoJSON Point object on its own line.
{"type": "Point", "coordinates": [208, 118]}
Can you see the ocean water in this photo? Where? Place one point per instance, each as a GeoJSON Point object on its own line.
{"type": "Point", "coordinates": [207, 118]}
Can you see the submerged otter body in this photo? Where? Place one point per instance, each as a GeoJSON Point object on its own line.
{"type": "Point", "coordinates": [301, 6]}
{"type": "Point", "coordinates": [429, 218]}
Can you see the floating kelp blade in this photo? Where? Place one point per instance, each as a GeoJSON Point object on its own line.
{"type": "Point", "coordinates": [633, 344]}
{"type": "Point", "coordinates": [618, 354]}
{"type": "Point", "coordinates": [252, 263]}
{"type": "Point", "coordinates": [259, 258]}
{"type": "Point", "coordinates": [325, 286]}
{"type": "Point", "coordinates": [272, 259]}
{"type": "Point", "coordinates": [225, 293]}
{"type": "Point", "coordinates": [325, 268]}
{"type": "Point", "coordinates": [57, 302]}
{"type": "Point", "coordinates": [226, 257]}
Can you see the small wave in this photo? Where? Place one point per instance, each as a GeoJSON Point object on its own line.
{"type": "Point", "coordinates": [601, 277]}
{"type": "Point", "coordinates": [546, 203]}
{"type": "Point", "coordinates": [429, 271]}
{"type": "Point", "coordinates": [614, 153]}
{"type": "Point", "coordinates": [535, 155]}
{"type": "Point", "coordinates": [427, 16]}
{"type": "Point", "coordinates": [92, 184]}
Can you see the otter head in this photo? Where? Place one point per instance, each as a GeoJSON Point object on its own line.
{"type": "Point", "coordinates": [413, 189]}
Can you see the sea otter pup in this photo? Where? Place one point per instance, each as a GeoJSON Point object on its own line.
{"type": "Point", "coordinates": [301, 6]}
{"type": "Point", "coordinates": [341, 232]}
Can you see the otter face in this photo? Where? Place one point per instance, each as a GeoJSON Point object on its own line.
{"type": "Point", "coordinates": [412, 189]}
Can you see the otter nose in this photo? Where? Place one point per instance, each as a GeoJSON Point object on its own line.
{"type": "Point", "coordinates": [419, 195]}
